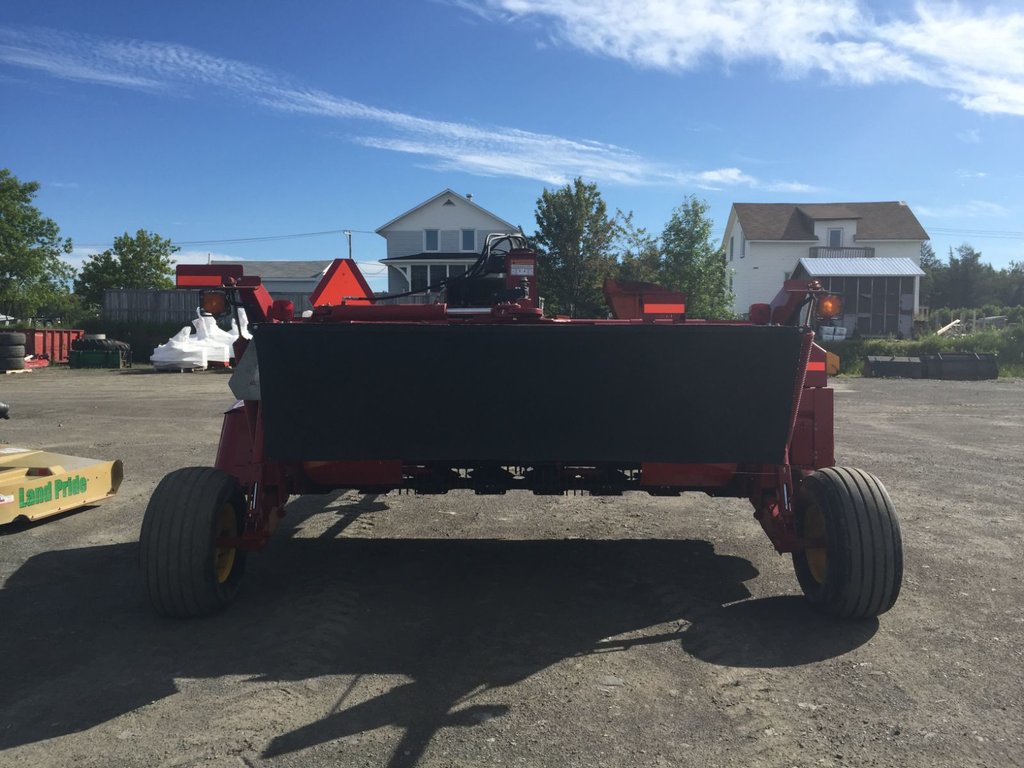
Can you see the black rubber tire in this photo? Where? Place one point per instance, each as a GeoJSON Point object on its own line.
{"type": "Point", "coordinates": [863, 568]}
{"type": "Point", "coordinates": [177, 546]}
{"type": "Point", "coordinates": [12, 351]}
{"type": "Point", "coordinates": [12, 339]}
{"type": "Point", "coordinates": [91, 345]}
{"type": "Point", "coordinates": [12, 364]}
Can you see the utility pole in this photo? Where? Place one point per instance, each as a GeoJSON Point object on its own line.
{"type": "Point", "coordinates": [348, 234]}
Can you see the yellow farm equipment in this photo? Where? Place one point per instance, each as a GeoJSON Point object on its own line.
{"type": "Point", "coordinates": [38, 484]}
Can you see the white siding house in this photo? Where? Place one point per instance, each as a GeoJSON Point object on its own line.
{"type": "Point", "coordinates": [438, 238]}
{"type": "Point", "coordinates": [765, 243]}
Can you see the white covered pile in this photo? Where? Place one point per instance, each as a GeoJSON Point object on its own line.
{"type": "Point", "coordinates": [210, 345]}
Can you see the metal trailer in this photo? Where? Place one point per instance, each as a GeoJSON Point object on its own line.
{"type": "Point", "coordinates": [647, 400]}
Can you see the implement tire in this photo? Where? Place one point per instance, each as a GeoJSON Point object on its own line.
{"type": "Point", "coordinates": [858, 572]}
{"type": "Point", "coordinates": [12, 364]}
{"type": "Point", "coordinates": [12, 351]}
{"type": "Point", "coordinates": [12, 339]}
{"type": "Point", "coordinates": [185, 572]}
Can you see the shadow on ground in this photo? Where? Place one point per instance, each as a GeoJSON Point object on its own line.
{"type": "Point", "coordinates": [79, 646]}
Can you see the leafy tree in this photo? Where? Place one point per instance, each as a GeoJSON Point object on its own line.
{"type": "Point", "coordinates": [142, 261]}
{"type": "Point", "coordinates": [640, 258]}
{"type": "Point", "coordinates": [33, 273]}
{"type": "Point", "coordinates": [691, 264]}
{"type": "Point", "coordinates": [574, 241]}
{"type": "Point", "coordinates": [935, 282]}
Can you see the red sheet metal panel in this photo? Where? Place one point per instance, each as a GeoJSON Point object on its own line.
{"type": "Point", "coordinates": [654, 474]}
{"type": "Point", "coordinates": [631, 300]}
{"type": "Point", "coordinates": [55, 343]}
{"type": "Point", "coordinates": [206, 275]}
{"type": "Point", "coordinates": [812, 446]}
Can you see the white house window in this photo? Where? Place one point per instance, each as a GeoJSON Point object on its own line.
{"type": "Point", "coordinates": [456, 269]}
{"type": "Point", "coordinates": [732, 242]}
{"type": "Point", "coordinates": [835, 238]}
{"type": "Point", "coordinates": [431, 240]}
{"type": "Point", "coordinates": [743, 246]}
{"type": "Point", "coordinates": [469, 239]}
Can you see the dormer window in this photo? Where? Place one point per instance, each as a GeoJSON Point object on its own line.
{"type": "Point", "coordinates": [431, 240]}
{"type": "Point", "coordinates": [835, 238]}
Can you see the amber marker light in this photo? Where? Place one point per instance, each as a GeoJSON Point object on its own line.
{"type": "Point", "coordinates": [829, 306]}
{"type": "Point", "coordinates": [214, 303]}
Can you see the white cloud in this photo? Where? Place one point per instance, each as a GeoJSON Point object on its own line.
{"type": "Point", "coordinates": [969, 136]}
{"type": "Point", "coordinates": [970, 209]}
{"type": "Point", "coordinates": [447, 145]}
{"type": "Point", "coordinates": [79, 255]}
{"type": "Point", "coordinates": [976, 56]}
{"type": "Point", "coordinates": [792, 186]}
{"type": "Point", "coordinates": [726, 176]}
{"type": "Point", "coordinates": [201, 257]}
{"type": "Point", "coordinates": [962, 174]}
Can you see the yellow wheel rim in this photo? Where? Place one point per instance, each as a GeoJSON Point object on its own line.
{"type": "Point", "coordinates": [817, 557]}
{"type": "Point", "coordinates": [224, 557]}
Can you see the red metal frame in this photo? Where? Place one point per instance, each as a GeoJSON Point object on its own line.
{"type": "Point", "coordinates": [344, 296]}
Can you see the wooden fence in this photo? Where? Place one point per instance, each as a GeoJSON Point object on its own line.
{"type": "Point", "coordinates": [175, 305]}
{"type": "Point", "coordinates": [137, 305]}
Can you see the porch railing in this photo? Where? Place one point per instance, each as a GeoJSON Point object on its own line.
{"type": "Point", "coordinates": [825, 252]}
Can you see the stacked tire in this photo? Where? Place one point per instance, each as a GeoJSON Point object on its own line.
{"type": "Point", "coordinates": [12, 351]}
{"type": "Point", "coordinates": [99, 342]}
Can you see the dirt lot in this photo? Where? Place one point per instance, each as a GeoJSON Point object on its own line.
{"type": "Point", "coordinates": [475, 631]}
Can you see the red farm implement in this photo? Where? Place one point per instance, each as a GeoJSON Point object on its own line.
{"type": "Point", "coordinates": [647, 401]}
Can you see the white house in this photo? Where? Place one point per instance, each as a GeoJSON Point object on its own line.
{"type": "Point", "coordinates": [869, 253]}
{"type": "Point", "coordinates": [439, 238]}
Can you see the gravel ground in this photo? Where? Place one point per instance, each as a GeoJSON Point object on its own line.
{"type": "Point", "coordinates": [475, 631]}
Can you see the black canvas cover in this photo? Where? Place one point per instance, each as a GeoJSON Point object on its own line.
{"type": "Point", "coordinates": [525, 394]}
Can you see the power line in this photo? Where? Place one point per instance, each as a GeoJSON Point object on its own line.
{"type": "Point", "coordinates": [987, 233]}
{"type": "Point", "coordinates": [260, 239]}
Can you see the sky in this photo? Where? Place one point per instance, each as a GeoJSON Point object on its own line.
{"type": "Point", "coordinates": [264, 130]}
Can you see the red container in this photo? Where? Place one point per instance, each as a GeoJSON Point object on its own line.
{"type": "Point", "coordinates": [52, 342]}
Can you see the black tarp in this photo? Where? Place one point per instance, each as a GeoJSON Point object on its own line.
{"type": "Point", "coordinates": [525, 394]}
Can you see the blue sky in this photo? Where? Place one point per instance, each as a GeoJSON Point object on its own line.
{"type": "Point", "coordinates": [212, 121]}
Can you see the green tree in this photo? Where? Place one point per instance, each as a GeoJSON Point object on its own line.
{"type": "Point", "coordinates": [972, 284]}
{"type": "Point", "coordinates": [935, 282]}
{"type": "Point", "coordinates": [33, 273]}
{"type": "Point", "coordinates": [639, 256]}
{"type": "Point", "coordinates": [1013, 286]}
{"type": "Point", "coordinates": [574, 242]}
{"type": "Point", "coordinates": [142, 261]}
{"type": "Point", "coordinates": [692, 264]}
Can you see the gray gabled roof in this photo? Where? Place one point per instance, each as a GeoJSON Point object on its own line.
{"type": "Point", "coordinates": [449, 193]}
{"type": "Point", "coordinates": [795, 221]}
{"type": "Point", "coordinates": [860, 267]}
{"type": "Point", "coordinates": [282, 270]}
